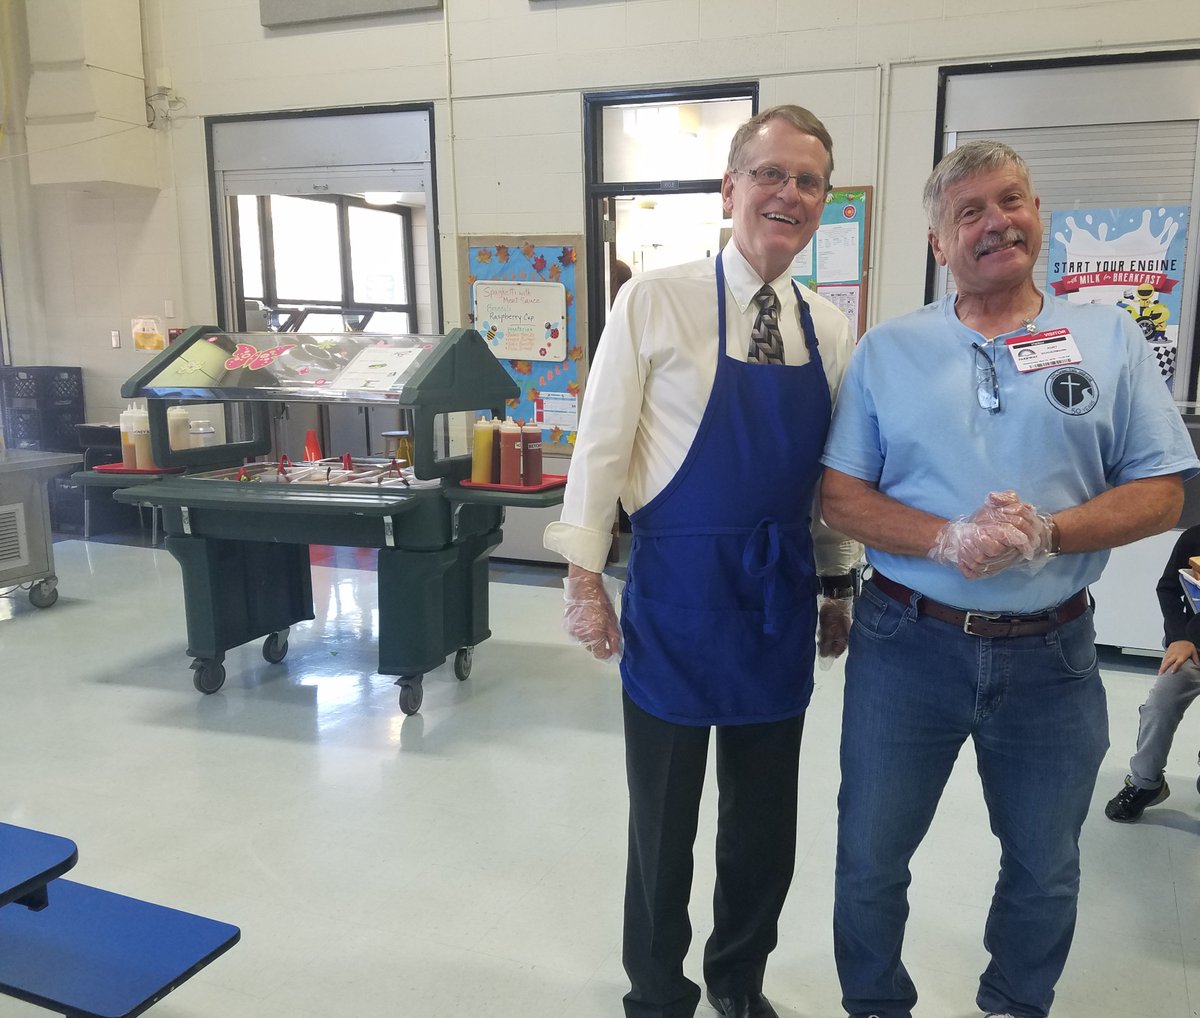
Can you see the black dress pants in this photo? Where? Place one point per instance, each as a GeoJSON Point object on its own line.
{"type": "Point", "coordinates": [757, 769]}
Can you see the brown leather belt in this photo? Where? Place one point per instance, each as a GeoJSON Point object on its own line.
{"type": "Point", "coordinates": [989, 624]}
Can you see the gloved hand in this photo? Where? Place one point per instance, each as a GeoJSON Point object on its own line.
{"type": "Point", "coordinates": [1041, 542]}
{"type": "Point", "coordinates": [1002, 532]}
{"type": "Point", "coordinates": [589, 616]}
{"type": "Point", "coordinates": [834, 615]}
{"type": "Point", "coordinates": [1038, 526]}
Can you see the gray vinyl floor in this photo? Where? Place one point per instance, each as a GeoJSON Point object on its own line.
{"type": "Point", "coordinates": [468, 861]}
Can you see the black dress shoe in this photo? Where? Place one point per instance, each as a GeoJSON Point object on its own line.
{"type": "Point", "coordinates": [743, 1005]}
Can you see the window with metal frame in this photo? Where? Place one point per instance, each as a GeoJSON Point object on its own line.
{"type": "Point", "coordinates": [323, 264]}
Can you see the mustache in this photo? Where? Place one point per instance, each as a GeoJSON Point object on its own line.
{"type": "Point", "coordinates": [992, 241]}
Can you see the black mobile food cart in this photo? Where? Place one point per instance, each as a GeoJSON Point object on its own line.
{"type": "Point", "coordinates": [240, 527]}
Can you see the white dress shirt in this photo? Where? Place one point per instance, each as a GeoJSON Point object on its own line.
{"type": "Point", "coordinates": [650, 384]}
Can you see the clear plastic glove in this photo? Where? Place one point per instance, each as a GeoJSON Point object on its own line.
{"type": "Point", "coordinates": [1041, 539]}
{"type": "Point", "coordinates": [589, 616]}
{"type": "Point", "coordinates": [1039, 528]}
{"type": "Point", "coordinates": [1003, 532]}
{"type": "Point", "coordinates": [834, 615]}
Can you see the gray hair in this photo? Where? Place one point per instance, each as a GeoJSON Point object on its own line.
{"type": "Point", "coordinates": [805, 121]}
{"type": "Point", "coordinates": [966, 161]}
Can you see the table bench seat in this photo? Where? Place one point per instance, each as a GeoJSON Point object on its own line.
{"type": "Point", "coordinates": [95, 954]}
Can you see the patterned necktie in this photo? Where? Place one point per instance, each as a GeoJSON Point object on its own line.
{"type": "Point", "coordinates": [766, 344]}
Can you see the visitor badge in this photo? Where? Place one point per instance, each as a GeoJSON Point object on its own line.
{"type": "Point", "coordinates": [1051, 349]}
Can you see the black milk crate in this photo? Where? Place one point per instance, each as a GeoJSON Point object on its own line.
{"type": "Point", "coordinates": [59, 425]}
{"type": "Point", "coordinates": [23, 429]}
{"type": "Point", "coordinates": [18, 388]}
{"type": "Point", "coordinates": [60, 385]}
{"type": "Point", "coordinates": [66, 505]}
{"type": "Point", "coordinates": [105, 516]}
{"type": "Point", "coordinates": [41, 405]}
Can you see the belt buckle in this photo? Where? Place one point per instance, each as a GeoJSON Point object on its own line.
{"type": "Point", "coordinates": [970, 617]}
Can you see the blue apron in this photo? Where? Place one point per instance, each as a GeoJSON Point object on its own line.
{"type": "Point", "coordinates": [719, 609]}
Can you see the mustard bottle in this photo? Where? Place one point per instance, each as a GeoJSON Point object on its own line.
{"type": "Point", "coordinates": [482, 437]}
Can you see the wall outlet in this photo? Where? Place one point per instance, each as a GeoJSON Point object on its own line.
{"type": "Point", "coordinates": [115, 336]}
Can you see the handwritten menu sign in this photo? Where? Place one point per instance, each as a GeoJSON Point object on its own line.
{"type": "Point", "coordinates": [550, 390]}
{"type": "Point", "coordinates": [522, 320]}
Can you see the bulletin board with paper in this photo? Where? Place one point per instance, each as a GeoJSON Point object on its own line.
{"type": "Point", "coordinates": [835, 263]}
{"type": "Point", "coordinates": [525, 296]}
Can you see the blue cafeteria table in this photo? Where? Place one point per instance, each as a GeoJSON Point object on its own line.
{"type": "Point", "coordinates": [84, 952]}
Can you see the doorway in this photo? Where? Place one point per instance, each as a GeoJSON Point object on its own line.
{"type": "Point", "coordinates": [654, 162]}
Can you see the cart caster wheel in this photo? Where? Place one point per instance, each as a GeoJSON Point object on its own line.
{"type": "Point", "coordinates": [462, 663]}
{"type": "Point", "coordinates": [43, 594]}
{"type": "Point", "coordinates": [275, 648]}
{"type": "Point", "coordinates": [411, 696]}
{"type": "Point", "coordinates": [207, 676]}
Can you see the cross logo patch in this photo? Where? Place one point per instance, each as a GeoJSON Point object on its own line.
{"type": "Point", "coordinates": [1072, 391]}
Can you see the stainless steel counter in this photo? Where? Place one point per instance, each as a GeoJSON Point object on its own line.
{"type": "Point", "coordinates": [26, 550]}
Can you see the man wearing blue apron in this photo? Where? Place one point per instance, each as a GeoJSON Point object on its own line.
{"type": "Point", "coordinates": [706, 413]}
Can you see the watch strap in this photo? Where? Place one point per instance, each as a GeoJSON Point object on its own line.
{"type": "Point", "coordinates": [840, 585]}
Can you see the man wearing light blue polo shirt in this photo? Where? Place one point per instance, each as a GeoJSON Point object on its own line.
{"type": "Point", "coordinates": [989, 449]}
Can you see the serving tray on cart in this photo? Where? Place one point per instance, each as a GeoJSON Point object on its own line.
{"type": "Point", "coordinates": [548, 481]}
{"type": "Point", "coordinates": [118, 468]}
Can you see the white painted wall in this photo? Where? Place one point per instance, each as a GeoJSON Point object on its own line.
{"type": "Point", "coordinates": [77, 266]}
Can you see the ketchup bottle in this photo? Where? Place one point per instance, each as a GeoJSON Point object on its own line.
{"type": "Point", "coordinates": [510, 453]}
{"type": "Point", "coordinates": [531, 455]}
{"type": "Point", "coordinates": [496, 422]}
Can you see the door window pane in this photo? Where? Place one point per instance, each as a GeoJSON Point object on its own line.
{"type": "Point", "coordinates": [658, 230]}
{"type": "Point", "coordinates": [250, 248]}
{"type": "Point", "coordinates": [306, 249]}
{"type": "Point", "coordinates": [670, 141]}
{"type": "Point", "coordinates": [377, 256]}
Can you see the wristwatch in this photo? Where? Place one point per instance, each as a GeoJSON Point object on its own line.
{"type": "Point", "coordinates": [842, 585]}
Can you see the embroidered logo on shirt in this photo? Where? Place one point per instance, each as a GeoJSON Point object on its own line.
{"type": "Point", "coordinates": [1072, 391]}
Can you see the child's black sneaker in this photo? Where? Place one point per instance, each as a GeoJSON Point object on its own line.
{"type": "Point", "coordinates": [1127, 806]}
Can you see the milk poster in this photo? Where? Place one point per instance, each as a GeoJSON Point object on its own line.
{"type": "Point", "coordinates": [1131, 258]}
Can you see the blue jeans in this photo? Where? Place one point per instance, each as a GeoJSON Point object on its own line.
{"type": "Point", "coordinates": [916, 689]}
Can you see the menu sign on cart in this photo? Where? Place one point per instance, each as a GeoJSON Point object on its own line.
{"type": "Point", "coordinates": [379, 368]}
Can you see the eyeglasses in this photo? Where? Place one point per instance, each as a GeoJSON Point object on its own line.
{"type": "Point", "coordinates": [987, 382]}
{"type": "Point", "coordinates": [775, 178]}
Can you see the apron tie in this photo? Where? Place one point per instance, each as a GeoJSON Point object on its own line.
{"type": "Point", "coordinates": [760, 558]}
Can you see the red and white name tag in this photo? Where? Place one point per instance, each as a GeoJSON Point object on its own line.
{"type": "Point", "coordinates": [1051, 349]}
